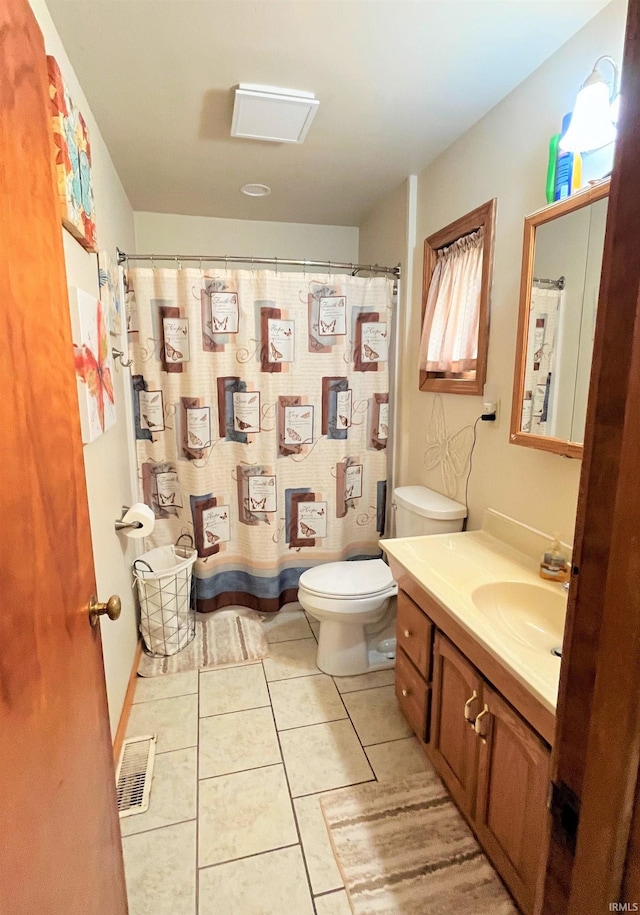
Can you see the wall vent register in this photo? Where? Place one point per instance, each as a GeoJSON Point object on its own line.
{"type": "Point", "coordinates": [134, 774]}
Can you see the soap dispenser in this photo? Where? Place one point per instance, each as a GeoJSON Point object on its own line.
{"type": "Point", "coordinates": [554, 565]}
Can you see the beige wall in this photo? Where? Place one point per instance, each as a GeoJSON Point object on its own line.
{"type": "Point", "coordinates": [107, 460]}
{"type": "Point", "coordinates": [504, 155]}
{"type": "Point", "coordinates": [387, 237]}
{"type": "Point", "coordinates": [162, 233]}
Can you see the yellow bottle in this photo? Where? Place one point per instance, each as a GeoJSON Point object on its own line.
{"type": "Point", "coordinates": [554, 565]}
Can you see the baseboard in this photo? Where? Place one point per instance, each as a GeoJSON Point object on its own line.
{"type": "Point", "coordinates": [126, 705]}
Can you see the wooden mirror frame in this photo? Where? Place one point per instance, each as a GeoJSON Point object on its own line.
{"type": "Point", "coordinates": [482, 217]}
{"type": "Point", "coordinates": [548, 213]}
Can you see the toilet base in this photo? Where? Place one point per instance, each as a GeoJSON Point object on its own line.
{"type": "Point", "coordinates": [343, 651]}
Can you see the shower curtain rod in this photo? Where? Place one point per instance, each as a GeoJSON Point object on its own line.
{"type": "Point", "coordinates": [273, 261]}
{"type": "Point", "coordinates": [560, 283]}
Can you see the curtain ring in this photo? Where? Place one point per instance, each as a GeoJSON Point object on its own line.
{"type": "Point", "coordinates": [304, 269]}
{"type": "Point", "coordinates": [153, 263]}
{"type": "Point", "coordinates": [226, 263]}
{"type": "Point", "coordinates": [252, 264]}
{"type": "Point", "coordinates": [276, 260]}
{"type": "Point", "coordinates": [178, 265]}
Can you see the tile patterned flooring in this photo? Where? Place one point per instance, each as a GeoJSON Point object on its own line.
{"type": "Point", "coordinates": [243, 754]}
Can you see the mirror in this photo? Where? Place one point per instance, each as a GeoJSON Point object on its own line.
{"type": "Point", "coordinates": [561, 265]}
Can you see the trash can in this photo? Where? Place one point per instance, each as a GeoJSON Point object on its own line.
{"type": "Point", "coordinates": [167, 612]}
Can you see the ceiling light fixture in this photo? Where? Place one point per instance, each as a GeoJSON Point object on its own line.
{"type": "Point", "coordinates": [595, 112]}
{"type": "Point", "coordinates": [268, 113]}
{"type": "Point", "coordinates": [256, 190]}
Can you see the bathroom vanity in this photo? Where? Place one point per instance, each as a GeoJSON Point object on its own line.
{"type": "Point", "coordinates": [477, 680]}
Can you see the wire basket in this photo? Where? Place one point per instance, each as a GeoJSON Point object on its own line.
{"type": "Point", "coordinates": [166, 591]}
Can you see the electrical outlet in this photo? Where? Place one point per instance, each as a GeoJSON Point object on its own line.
{"type": "Point", "coordinates": [490, 412]}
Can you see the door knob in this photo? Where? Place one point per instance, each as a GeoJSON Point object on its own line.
{"type": "Point", "coordinates": [97, 608]}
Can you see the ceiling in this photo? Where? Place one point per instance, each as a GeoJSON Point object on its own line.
{"type": "Point", "coordinates": [397, 80]}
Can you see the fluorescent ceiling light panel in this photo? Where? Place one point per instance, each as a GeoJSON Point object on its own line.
{"type": "Point", "coordinates": [267, 113]}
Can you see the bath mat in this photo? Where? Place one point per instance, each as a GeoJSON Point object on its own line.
{"type": "Point", "coordinates": [404, 849]}
{"type": "Point", "coordinates": [223, 638]}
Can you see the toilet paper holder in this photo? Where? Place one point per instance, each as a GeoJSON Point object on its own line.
{"type": "Point", "coordinates": [125, 525]}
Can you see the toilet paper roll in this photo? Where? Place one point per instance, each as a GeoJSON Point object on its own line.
{"type": "Point", "coordinates": [143, 515]}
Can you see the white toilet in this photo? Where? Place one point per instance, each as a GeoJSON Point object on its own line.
{"type": "Point", "coordinates": [354, 600]}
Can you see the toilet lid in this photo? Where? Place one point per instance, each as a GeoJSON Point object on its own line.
{"type": "Point", "coordinates": [360, 578]}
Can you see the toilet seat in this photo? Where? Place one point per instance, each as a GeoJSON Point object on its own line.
{"type": "Point", "coordinates": [349, 580]}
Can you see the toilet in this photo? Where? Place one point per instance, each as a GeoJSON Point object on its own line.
{"type": "Point", "coordinates": [354, 601]}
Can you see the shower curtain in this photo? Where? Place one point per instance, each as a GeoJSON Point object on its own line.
{"type": "Point", "coordinates": [261, 404]}
{"type": "Point", "coordinates": [544, 313]}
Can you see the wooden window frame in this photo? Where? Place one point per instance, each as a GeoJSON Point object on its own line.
{"type": "Point", "coordinates": [482, 217]}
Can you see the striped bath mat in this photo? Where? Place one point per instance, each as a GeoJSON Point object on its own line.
{"type": "Point", "coordinates": [403, 849]}
{"type": "Point", "coordinates": [223, 638]}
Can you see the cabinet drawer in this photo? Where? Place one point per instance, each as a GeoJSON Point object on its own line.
{"type": "Point", "coordinates": [415, 634]}
{"type": "Point", "coordinates": [413, 695]}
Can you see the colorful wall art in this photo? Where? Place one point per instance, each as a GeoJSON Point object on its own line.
{"type": "Point", "coordinates": [73, 162]}
{"type": "Point", "coordinates": [111, 290]}
{"type": "Point", "coordinates": [94, 364]}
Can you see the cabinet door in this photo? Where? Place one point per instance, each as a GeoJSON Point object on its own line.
{"type": "Point", "coordinates": [454, 745]}
{"type": "Point", "coordinates": [513, 779]}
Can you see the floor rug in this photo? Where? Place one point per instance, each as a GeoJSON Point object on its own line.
{"type": "Point", "coordinates": [223, 638]}
{"type": "Point", "coordinates": [404, 849]}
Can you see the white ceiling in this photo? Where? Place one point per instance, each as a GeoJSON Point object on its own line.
{"type": "Point", "coordinates": [397, 80]}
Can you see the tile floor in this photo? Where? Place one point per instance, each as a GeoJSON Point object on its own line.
{"type": "Point", "coordinates": [243, 754]}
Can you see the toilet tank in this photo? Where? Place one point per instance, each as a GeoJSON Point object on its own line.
{"type": "Point", "coordinates": [421, 511]}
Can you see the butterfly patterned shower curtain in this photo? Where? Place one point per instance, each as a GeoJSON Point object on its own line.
{"type": "Point", "coordinates": [261, 403]}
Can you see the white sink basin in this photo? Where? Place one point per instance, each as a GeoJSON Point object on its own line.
{"type": "Point", "coordinates": [532, 615]}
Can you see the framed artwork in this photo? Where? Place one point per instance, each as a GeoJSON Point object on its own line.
{"type": "Point", "coordinates": [94, 364]}
{"type": "Point", "coordinates": [111, 290]}
{"type": "Point", "coordinates": [73, 162]}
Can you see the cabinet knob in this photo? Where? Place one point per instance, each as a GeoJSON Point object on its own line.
{"type": "Point", "coordinates": [407, 633]}
{"type": "Point", "coordinates": [406, 692]}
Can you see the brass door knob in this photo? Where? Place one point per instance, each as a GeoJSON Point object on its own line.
{"type": "Point", "coordinates": [97, 608]}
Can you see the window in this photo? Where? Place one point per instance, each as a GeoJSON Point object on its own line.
{"type": "Point", "coordinates": [458, 263]}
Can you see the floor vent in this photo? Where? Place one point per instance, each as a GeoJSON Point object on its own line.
{"type": "Point", "coordinates": [134, 773]}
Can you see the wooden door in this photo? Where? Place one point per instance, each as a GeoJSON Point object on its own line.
{"type": "Point", "coordinates": [513, 781]}
{"type": "Point", "coordinates": [454, 745]}
{"type": "Point", "coordinates": [594, 855]}
{"type": "Point", "coordinates": [60, 847]}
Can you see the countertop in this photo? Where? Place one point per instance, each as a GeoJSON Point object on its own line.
{"type": "Point", "coordinates": [448, 567]}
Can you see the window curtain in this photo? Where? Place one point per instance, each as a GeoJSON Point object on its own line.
{"type": "Point", "coordinates": [450, 330]}
{"type": "Point", "coordinates": [261, 404]}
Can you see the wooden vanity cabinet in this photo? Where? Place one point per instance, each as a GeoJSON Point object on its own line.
{"type": "Point", "coordinates": [497, 771]}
